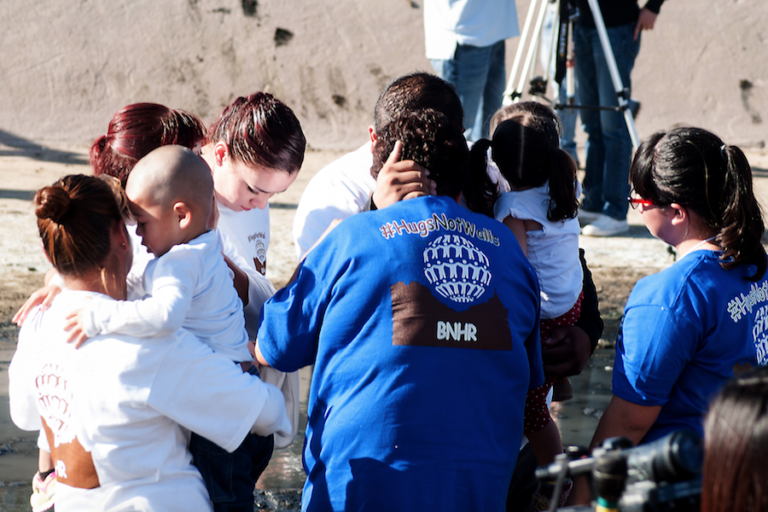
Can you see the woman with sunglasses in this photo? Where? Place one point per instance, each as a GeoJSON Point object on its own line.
{"type": "Point", "coordinates": [689, 328]}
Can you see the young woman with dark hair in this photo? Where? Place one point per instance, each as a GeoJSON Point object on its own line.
{"type": "Point", "coordinates": [695, 169]}
{"type": "Point", "coordinates": [255, 150]}
{"type": "Point", "coordinates": [382, 288]}
{"type": "Point", "coordinates": [735, 475]}
{"type": "Point", "coordinates": [116, 412]}
{"type": "Point", "coordinates": [687, 328]}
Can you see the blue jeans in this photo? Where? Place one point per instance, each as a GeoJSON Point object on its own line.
{"type": "Point", "coordinates": [479, 75]}
{"type": "Point", "coordinates": [567, 116]}
{"type": "Point", "coordinates": [609, 146]}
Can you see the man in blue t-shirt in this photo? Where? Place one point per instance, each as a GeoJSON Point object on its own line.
{"type": "Point", "coordinates": [422, 322]}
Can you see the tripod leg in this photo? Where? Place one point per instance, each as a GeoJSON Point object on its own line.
{"type": "Point", "coordinates": [549, 42]}
{"type": "Point", "coordinates": [534, 44]}
{"type": "Point", "coordinates": [614, 70]}
{"type": "Point", "coordinates": [510, 93]}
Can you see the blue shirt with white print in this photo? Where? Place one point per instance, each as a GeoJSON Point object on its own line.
{"type": "Point", "coordinates": [422, 322]}
{"type": "Point", "coordinates": [685, 330]}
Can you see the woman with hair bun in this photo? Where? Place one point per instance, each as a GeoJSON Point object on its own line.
{"type": "Point", "coordinates": [137, 129]}
{"type": "Point", "coordinates": [689, 328]}
{"type": "Point", "coordinates": [116, 412]}
{"type": "Point", "coordinates": [735, 475]}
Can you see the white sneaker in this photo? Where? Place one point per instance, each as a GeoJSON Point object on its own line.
{"type": "Point", "coordinates": [605, 226]}
{"type": "Point", "coordinates": [586, 217]}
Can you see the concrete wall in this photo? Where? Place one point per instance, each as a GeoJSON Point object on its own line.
{"type": "Point", "coordinates": [66, 67]}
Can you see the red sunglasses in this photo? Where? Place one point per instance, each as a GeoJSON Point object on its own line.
{"type": "Point", "coordinates": [634, 201]}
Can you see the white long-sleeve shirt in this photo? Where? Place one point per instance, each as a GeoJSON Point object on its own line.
{"type": "Point", "coordinates": [190, 286]}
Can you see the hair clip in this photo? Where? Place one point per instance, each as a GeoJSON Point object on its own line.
{"type": "Point", "coordinates": [722, 154]}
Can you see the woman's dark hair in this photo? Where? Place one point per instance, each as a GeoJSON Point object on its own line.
{"type": "Point", "coordinates": [136, 130]}
{"type": "Point", "coordinates": [261, 130]}
{"type": "Point", "coordinates": [431, 140]}
{"type": "Point", "coordinates": [526, 149]}
{"type": "Point", "coordinates": [74, 218]}
{"type": "Point", "coordinates": [735, 475]}
{"type": "Point", "coordinates": [695, 169]}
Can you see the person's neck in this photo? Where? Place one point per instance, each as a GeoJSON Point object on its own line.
{"type": "Point", "coordinates": [93, 282]}
{"type": "Point", "coordinates": [192, 232]}
{"type": "Point", "coordinates": [707, 243]}
{"type": "Point", "coordinates": [514, 188]}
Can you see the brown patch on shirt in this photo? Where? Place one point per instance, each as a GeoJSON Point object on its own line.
{"type": "Point", "coordinates": [74, 465]}
{"type": "Point", "coordinates": [419, 319]}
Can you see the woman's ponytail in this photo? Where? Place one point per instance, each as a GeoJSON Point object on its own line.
{"type": "Point", "coordinates": [563, 203]}
{"type": "Point", "coordinates": [741, 222]}
{"type": "Point", "coordinates": [480, 192]}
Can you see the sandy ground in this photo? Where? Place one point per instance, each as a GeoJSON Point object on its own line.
{"type": "Point", "coordinates": [616, 262]}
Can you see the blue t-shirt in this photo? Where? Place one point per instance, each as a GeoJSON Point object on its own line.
{"type": "Point", "coordinates": [422, 321]}
{"type": "Point", "coordinates": [684, 330]}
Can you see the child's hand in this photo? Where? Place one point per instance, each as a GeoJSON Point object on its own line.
{"type": "Point", "coordinates": [42, 297]}
{"type": "Point", "coordinates": [74, 326]}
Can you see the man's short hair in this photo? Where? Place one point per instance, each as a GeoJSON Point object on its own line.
{"type": "Point", "coordinates": [418, 91]}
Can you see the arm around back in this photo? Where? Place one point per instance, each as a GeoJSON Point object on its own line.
{"type": "Point", "coordinates": [210, 395]}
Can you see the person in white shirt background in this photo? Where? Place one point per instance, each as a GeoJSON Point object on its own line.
{"type": "Point", "coordinates": [465, 42]}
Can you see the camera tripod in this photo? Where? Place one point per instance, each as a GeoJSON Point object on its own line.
{"type": "Point", "coordinates": [558, 53]}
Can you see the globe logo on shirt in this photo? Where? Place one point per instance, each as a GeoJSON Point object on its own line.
{"type": "Point", "coordinates": [456, 269]}
{"type": "Point", "coordinates": [54, 398]}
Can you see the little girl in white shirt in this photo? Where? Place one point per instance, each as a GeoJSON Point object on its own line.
{"type": "Point", "coordinates": [540, 209]}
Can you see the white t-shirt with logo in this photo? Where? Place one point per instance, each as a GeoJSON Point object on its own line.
{"type": "Point", "coordinates": [125, 405]}
{"type": "Point", "coordinates": [249, 233]}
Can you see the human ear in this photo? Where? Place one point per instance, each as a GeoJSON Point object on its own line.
{"type": "Point", "coordinates": [679, 214]}
{"type": "Point", "coordinates": [121, 250]}
{"type": "Point", "coordinates": [183, 214]}
{"type": "Point", "coordinates": [373, 136]}
{"type": "Point", "coordinates": [119, 237]}
{"type": "Point", "coordinates": [220, 153]}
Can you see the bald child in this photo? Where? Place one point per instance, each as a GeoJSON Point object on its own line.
{"type": "Point", "coordinates": [187, 284]}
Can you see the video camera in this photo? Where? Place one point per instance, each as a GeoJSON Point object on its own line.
{"type": "Point", "coordinates": [657, 477]}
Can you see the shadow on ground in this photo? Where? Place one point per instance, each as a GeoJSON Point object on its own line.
{"type": "Point", "coordinates": [13, 145]}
